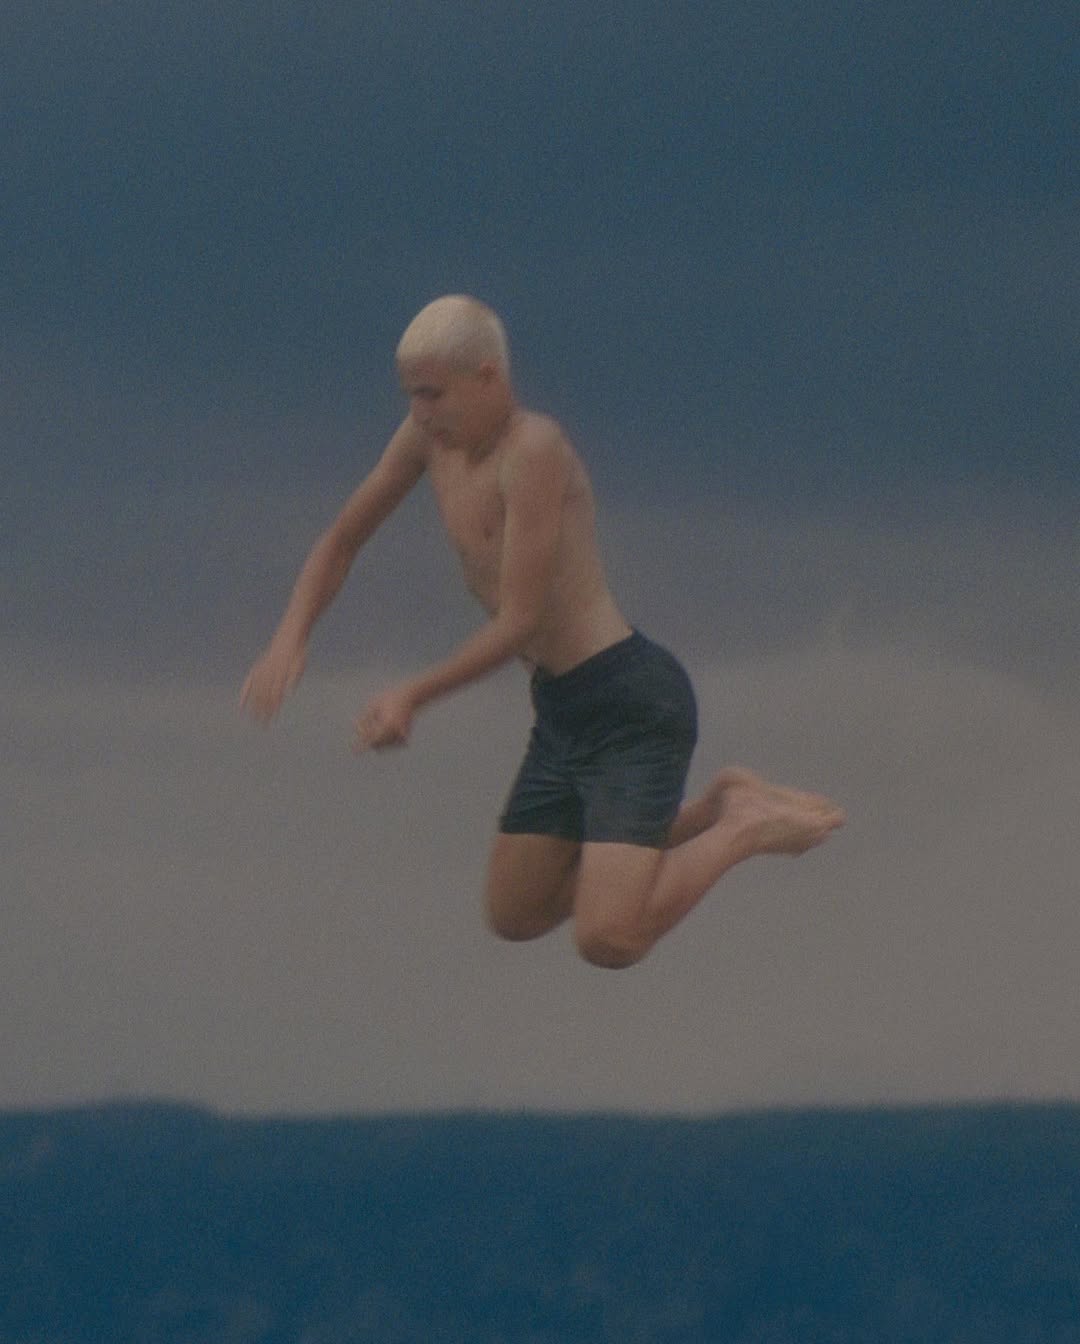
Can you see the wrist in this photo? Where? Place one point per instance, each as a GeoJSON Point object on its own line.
{"type": "Point", "coordinates": [289, 638]}
{"type": "Point", "coordinates": [418, 692]}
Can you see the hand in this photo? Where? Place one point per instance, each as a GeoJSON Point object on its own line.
{"type": "Point", "coordinates": [386, 722]}
{"type": "Point", "coordinates": [273, 676]}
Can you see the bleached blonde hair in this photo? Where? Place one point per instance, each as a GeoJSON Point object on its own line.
{"type": "Point", "coordinates": [459, 330]}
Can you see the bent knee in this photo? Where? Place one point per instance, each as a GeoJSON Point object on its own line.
{"type": "Point", "coordinates": [518, 920]}
{"type": "Point", "coordinates": [612, 949]}
{"type": "Point", "coordinates": [529, 890]}
{"type": "Point", "coordinates": [514, 925]}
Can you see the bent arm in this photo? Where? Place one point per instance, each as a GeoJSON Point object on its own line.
{"type": "Point", "coordinates": [324, 571]}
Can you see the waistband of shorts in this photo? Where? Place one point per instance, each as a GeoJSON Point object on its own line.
{"type": "Point", "coordinates": [583, 676]}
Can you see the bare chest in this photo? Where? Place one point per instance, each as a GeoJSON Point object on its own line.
{"type": "Point", "coordinates": [472, 510]}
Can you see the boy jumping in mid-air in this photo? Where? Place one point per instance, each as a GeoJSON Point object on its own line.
{"type": "Point", "coordinates": [593, 829]}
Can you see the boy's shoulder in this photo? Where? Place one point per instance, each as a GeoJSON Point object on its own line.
{"type": "Point", "coordinates": [534, 447]}
{"type": "Point", "coordinates": [534, 435]}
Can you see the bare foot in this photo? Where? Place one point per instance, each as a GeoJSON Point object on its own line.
{"type": "Point", "coordinates": [711, 804]}
{"type": "Point", "coordinates": [705, 811]}
{"type": "Point", "coordinates": [773, 819]}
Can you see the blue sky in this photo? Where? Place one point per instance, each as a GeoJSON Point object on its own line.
{"type": "Point", "coordinates": [802, 284]}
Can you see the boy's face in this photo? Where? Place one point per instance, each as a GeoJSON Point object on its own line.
{"type": "Point", "coordinates": [450, 405]}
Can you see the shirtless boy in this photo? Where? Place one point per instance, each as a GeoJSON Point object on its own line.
{"type": "Point", "coordinates": [593, 829]}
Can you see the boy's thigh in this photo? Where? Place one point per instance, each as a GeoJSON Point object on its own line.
{"type": "Point", "coordinates": [530, 883]}
{"type": "Point", "coordinates": [611, 896]}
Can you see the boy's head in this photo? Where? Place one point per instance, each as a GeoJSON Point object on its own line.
{"type": "Point", "coordinates": [454, 368]}
{"type": "Point", "coordinates": [458, 331]}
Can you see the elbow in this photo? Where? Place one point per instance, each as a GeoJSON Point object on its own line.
{"type": "Point", "coordinates": [337, 550]}
{"type": "Point", "coordinates": [520, 626]}
{"type": "Point", "coordinates": [339, 540]}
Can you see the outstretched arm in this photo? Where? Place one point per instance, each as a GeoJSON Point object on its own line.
{"type": "Point", "coordinates": [533, 492]}
{"type": "Point", "coordinates": [281, 665]}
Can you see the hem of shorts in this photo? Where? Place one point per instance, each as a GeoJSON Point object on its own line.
{"type": "Point", "coordinates": [638, 841]}
{"type": "Point", "coordinates": [524, 828]}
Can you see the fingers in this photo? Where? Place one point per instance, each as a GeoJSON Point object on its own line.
{"type": "Point", "coordinates": [268, 683]}
{"type": "Point", "coordinates": [260, 700]}
{"type": "Point", "coordinates": [363, 734]}
{"type": "Point", "coordinates": [368, 737]}
{"type": "Point", "coordinates": [375, 732]}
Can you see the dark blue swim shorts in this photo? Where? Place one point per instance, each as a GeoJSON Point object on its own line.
{"type": "Point", "coordinates": [609, 750]}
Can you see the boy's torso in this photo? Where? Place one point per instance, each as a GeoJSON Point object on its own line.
{"type": "Point", "coordinates": [580, 616]}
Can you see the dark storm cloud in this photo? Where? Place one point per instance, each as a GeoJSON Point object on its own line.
{"type": "Point", "coordinates": [826, 238]}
